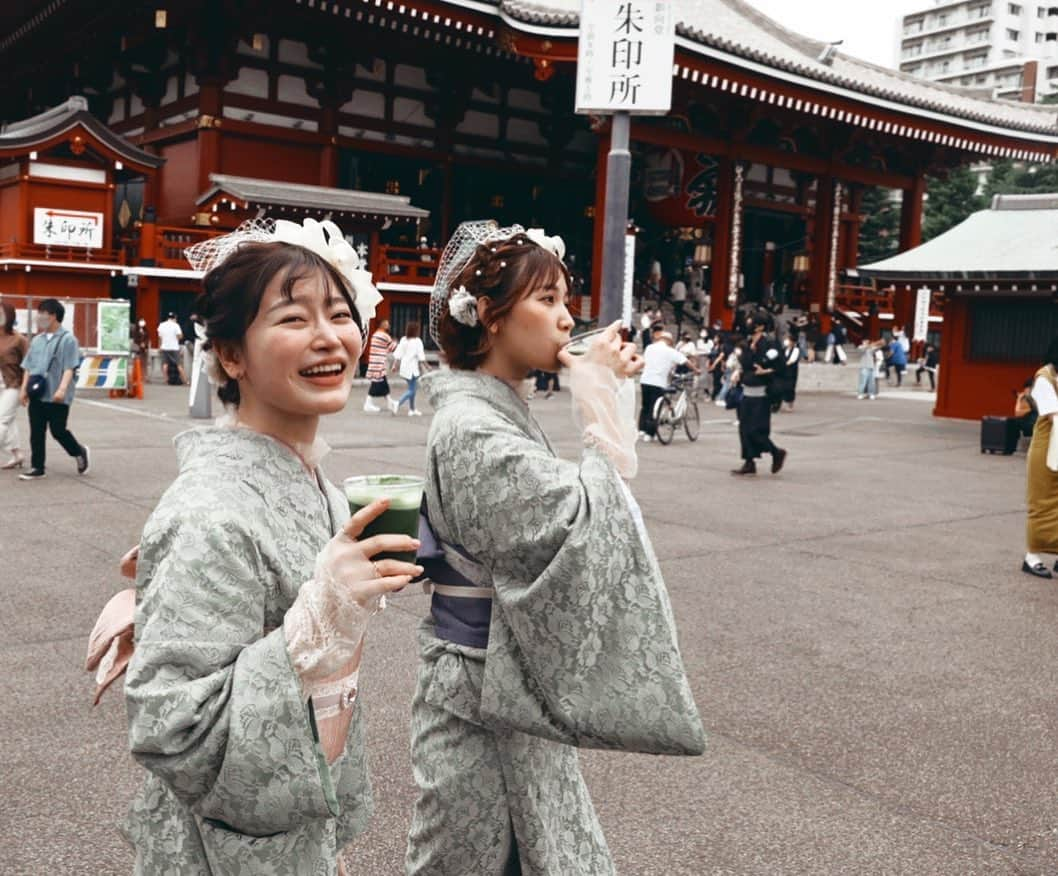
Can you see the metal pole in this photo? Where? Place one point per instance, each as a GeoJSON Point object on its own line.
{"type": "Point", "coordinates": [618, 180]}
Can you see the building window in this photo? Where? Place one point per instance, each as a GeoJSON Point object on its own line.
{"type": "Point", "coordinates": [912, 27]}
{"type": "Point", "coordinates": [942, 19]}
{"type": "Point", "coordinates": [1011, 330]}
{"type": "Point", "coordinates": [1052, 72]}
{"type": "Point", "coordinates": [982, 11]}
{"type": "Point", "coordinates": [1013, 35]}
{"type": "Point", "coordinates": [1013, 9]}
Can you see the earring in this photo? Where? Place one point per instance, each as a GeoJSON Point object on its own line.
{"type": "Point", "coordinates": [494, 328]}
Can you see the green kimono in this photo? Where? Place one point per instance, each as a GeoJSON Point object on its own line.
{"type": "Point", "coordinates": [581, 645]}
{"type": "Point", "coordinates": [237, 781]}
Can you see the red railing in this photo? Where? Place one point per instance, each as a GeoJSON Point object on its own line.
{"type": "Point", "coordinates": [171, 241]}
{"type": "Point", "coordinates": [406, 264]}
{"type": "Point", "coordinates": [15, 250]}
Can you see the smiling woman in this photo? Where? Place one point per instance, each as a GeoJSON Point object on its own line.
{"type": "Point", "coordinates": [252, 590]}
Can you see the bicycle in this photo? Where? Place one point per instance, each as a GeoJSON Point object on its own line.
{"type": "Point", "coordinates": [678, 405]}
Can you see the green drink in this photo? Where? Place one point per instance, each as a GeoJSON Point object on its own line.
{"type": "Point", "coordinates": [401, 518]}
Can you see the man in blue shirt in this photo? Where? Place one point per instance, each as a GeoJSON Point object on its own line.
{"type": "Point", "coordinates": [54, 354]}
{"type": "Point", "coordinates": [898, 358]}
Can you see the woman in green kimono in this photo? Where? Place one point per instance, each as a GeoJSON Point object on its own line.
{"type": "Point", "coordinates": [252, 591]}
{"type": "Point", "coordinates": [550, 626]}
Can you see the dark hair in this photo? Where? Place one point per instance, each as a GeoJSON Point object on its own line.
{"type": "Point", "coordinates": [55, 308]}
{"type": "Point", "coordinates": [411, 330]}
{"type": "Point", "coordinates": [503, 273]}
{"type": "Point", "coordinates": [233, 291]}
{"type": "Point", "coordinates": [1051, 356]}
{"type": "Point", "coordinates": [10, 317]}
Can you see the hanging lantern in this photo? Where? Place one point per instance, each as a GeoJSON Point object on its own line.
{"type": "Point", "coordinates": [703, 254]}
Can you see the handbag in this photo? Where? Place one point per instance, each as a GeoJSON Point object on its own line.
{"type": "Point", "coordinates": [37, 385]}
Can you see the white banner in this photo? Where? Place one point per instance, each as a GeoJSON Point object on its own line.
{"type": "Point", "coordinates": [624, 56]}
{"type": "Point", "coordinates": [55, 226]}
{"type": "Point", "coordinates": [630, 269]}
{"type": "Point", "coordinates": [922, 314]}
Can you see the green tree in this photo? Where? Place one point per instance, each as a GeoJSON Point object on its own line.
{"type": "Point", "coordinates": [1008, 178]}
{"type": "Point", "coordinates": [951, 199]}
{"type": "Point", "coordinates": [880, 228]}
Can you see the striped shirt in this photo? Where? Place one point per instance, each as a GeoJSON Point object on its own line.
{"type": "Point", "coordinates": [380, 347]}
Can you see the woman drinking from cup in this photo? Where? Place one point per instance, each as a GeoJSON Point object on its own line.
{"type": "Point", "coordinates": [253, 593]}
{"type": "Point", "coordinates": [550, 626]}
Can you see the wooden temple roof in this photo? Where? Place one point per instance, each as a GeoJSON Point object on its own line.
{"type": "Point", "coordinates": [59, 123]}
{"type": "Point", "coordinates": [263, 192]}
{"type": "Point", "coordinates": [1012, 240]}
{"type": "Point", "coordinates": [734, 31]}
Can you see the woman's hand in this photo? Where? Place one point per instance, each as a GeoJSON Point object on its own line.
{"type": "Point", "coordinates": [349, 564]}
{"type": "Point", "coordinates": [609, 351]}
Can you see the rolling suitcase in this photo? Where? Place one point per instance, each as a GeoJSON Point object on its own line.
{"type": "Point", "coordinates": [999, 435]}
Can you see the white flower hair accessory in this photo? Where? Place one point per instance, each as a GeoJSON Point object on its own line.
{"type": "Point", "coordinates": [323, 238]}
{"type": "Point", "coordinates": [463, 306]}
{"type": "Point", "coordinates": [553, 244]}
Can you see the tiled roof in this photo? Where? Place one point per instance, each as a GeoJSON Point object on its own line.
{"type": "Point", "coordinates": [264, 191]}
{"type": "Point", "coordinates": [1014, 239]}
{"type": "Point", "coordinates": [23, 136]}
{"type": "Point", "coordinates": [738, 29]}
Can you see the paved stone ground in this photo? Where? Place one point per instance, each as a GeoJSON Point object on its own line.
{"type": "Point", "coordinates": [875, 673]}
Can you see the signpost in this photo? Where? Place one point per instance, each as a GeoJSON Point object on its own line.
{"type": "Point", "coordinates": [624, 67]}
{"type": "Point", "coordinates": [55, 226]}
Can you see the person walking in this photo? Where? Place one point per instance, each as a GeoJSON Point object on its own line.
{"type": "Point", "coordinates": [928, 363]}
{"type": "Point", "coordinates": [13, 349]}
{"type": "Point", "coordinates": [868, 381]}
{"type": "Point", "coordinates": [1041, 471]}
{"type": "Point", "coordinates": [897, 357]}
{"type": "Point", "coordinates": [515, 539]}
{"type": "Point", "coordinates": [410, 357]}
{"type": "Point", "coordinates": [678, 294]}
{"type": "Point", "coordinates": [761, 362]}
{"type": "Point", "coordinates": [170, 338]}
{"type": "Point", "coordinates": [788, 382]}
{"type": "Point", "coordinates": [53, 355]}
{"type": "Point", "coordinates": [382, 344]}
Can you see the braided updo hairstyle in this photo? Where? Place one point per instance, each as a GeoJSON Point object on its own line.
{"type": "Point", "coordinates": [233, 291]}
{"type": "Point", "coordinates": [503, 273]}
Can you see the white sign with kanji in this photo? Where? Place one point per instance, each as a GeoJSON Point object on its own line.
{"type": "Point", "coordinates": [56, 226]}
{"type": "Point", "coordinates": [624, 56]}
{"type": "Point", "coordinates": [922, 300]}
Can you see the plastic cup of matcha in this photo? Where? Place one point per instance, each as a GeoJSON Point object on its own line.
{"type": "Point", "coordinates": [401, 518]}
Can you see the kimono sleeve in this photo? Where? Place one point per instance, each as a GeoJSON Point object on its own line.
{"type": "Point", "coordinates": [582, 646]}
{"type": "Point", "coordinates": [214, 708]}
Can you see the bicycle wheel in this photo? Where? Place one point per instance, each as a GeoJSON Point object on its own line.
{"type": "Point", "coordinates": [666, 421]}
{"type": "Point", "coordinates": [691, 422]}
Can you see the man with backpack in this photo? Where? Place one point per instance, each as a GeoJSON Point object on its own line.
{"type": "Point", "coordinates": [48, 388]}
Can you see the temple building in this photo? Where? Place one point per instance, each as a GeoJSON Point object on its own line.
{"type": "Point", "coordinates": [401, 118]}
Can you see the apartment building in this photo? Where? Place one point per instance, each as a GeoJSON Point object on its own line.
{"type": "Point", "coordinates": [1005, 49]}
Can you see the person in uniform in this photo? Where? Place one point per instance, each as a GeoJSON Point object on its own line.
{"type": "Point", "coordinates": [1041, 470]}
{"type": "Point", "coordinates": [761, 363]}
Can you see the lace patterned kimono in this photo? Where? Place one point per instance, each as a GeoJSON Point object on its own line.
{"type": "Point", "coordinates": [581, 646]}
{"type": "Point", "coordinates": [237, 781]}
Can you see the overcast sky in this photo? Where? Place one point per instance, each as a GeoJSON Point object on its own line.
{"type": "Point", "coordinates": [868, 27]}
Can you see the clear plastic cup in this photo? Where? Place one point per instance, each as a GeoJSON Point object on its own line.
{"type": "Point", "coordinates": [401, 518]}
{"type": "Point", "coordinates": [579, 345]}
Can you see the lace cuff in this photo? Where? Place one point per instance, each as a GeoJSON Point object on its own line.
{"type": "Point", "coordinates": [323, 630]}
{"type": "Point", "coordinates": [604, 406]}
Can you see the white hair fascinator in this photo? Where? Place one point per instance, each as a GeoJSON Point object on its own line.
{"type": "Point", "coordinates": [325, 239]}
{"type": "Point", "coordinates": [460, 302]}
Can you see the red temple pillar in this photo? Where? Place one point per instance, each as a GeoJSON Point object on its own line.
{"type": "Point", "coordinates": [329, 152]}
{"type": "Point", "coordinates": [720, 275]}
{"type": "Point", "coordinates": [209, 122]}
{"type": "Point", "coordinates": [822, 245]}
{"type": "Point", "coordinates": [910, 236]}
